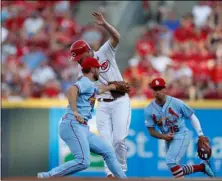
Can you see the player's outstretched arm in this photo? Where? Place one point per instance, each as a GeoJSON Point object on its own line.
{"type": "Point", "coordinates": [72, 95]}
{"type": "Point", "coordinates": [114, 34]}
{"type": "Point", "coordinates": [196, 124]}
{"type": "Point", "coordinates": [187, 112]}
{"type": "Point", "coordinates": [156, 134]}
{"type": "Point", "coordinates": [204, 149]}
{"type": "Point", "coordinates": [121, 87]}
{"type": "Point", "coordinates": [105, 88]}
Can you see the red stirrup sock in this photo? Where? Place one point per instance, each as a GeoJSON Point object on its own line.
{"type": "Point", "coordinates": [188, 169]}
{"type": "Point", "coordinates": [177, 171]}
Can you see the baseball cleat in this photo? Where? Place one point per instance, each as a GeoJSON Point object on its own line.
{"type": "Point", "coordinates": [43, 175]}
{"type": "Point", "coordinates": [40, 175]}
{"type": "Point", "coordinates": [208, 170]}
{"type": "Point", "coordinates": [111, 177]}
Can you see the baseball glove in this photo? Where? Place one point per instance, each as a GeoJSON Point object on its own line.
{"type": "Point", "coordinates": [122, 88]}
{"type": "Point", "coordinates": [203, 148]}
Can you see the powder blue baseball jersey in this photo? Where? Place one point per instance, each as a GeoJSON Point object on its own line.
{"type": "Point", "coordinates": [86, 99]}
{"type": "Point", "coordinates": [80, 140]}
{"type": "Point", "coordinates": [173, 112]}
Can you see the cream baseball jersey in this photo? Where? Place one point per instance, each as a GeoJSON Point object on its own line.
{"type": "Point", "coordinates": [109, 70]}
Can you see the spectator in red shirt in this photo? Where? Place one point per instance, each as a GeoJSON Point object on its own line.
{"type": "Point", "coordinates": [200, 35]}
{"type": "Point", "coordinates": [217, 69]}
{"type": "Point", "coordinates": [185, 31]}
{"type": "Point", "coordinates": [51, 89]}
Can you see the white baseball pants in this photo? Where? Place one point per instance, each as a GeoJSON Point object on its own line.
{"type": "Point", "coordinates": [113, 121]}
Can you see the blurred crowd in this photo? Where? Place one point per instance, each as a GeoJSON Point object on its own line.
{"type": "Point", "coordinates": [36, 36]}
{"type": "Point", "coordinates": [186, 52]}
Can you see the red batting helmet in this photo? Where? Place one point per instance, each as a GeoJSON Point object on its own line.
{"type": "Point", "coordinates": [78, 48]}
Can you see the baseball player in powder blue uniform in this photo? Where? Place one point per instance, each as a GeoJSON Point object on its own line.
{"type": "Point", "coordinates": [74, 129]}
{"type": "Point", "coordinates": [169, 113]}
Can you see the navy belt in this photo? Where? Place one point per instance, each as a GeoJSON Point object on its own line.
{"type": "Point", "coordinates": [106, 100]}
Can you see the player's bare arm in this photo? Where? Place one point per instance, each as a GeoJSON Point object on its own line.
{"type": "Point", "coordinates": [156, 134]}
{"type": "Point", "coordinates": [105, 88]}
{"type": "Point", "coordinates": [72, 95]}
{"type": "Point", "coordinates": [114, 34]}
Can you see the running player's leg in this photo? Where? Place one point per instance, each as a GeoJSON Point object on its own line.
{"type": "Point", "coordinates": [203, 167]}
{"type": "Point", "coordinates": [75, 136]}
{"type": "Point", "coordinates": [121, 119]}
{"type": "Point", "coordinates": [176, 151]}
{"type": "Point", "coordinates": [99, 146]}
{"type": "Point", "coordinates": [104, 126]}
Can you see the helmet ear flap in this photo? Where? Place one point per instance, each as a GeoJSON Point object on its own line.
{"type": "Point", "coordinates": [73, 54]}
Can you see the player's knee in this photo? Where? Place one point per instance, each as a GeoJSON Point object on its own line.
{"type": "Point", "coordinates": [85, 164]}
{"type": "Point", "coordinates": [119, 142]}
{"type": "Point", "coordinates": [108, 153]}
{"type": "Point", "coordinates": [83, 161]}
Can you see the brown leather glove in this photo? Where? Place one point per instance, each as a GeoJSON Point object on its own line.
{"type": "Point", "coordinates": [122, 88]}
{"type": "Point", "coordinates": [203, 148]}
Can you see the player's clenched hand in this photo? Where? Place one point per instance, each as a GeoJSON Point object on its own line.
{"type": "Point", "coordinates": [121, 86]}
{"type": "Point", "coordinates": [99, 19]}
{"type": "Point", "coordinates": [159, 122]}
{"type": "Point", "coordinates": [168, 136]}
{"type": "Point", "coordinates": [111, 87]}
{"type": "Point", "coordinates": [78, 117]}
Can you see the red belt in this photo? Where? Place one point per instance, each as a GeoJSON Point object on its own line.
{"type": "Point", "coordinates": [106, 100]}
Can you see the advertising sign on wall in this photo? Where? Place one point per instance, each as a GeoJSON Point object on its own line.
{"type": "Point", "coordinates": [143, 150]}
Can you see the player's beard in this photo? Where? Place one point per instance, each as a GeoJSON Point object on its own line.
{"type": "Point", "coordinates": [96, 76]}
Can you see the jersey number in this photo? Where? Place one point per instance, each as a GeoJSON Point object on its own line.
{"type": "Point", "coordinates": [174, 129]}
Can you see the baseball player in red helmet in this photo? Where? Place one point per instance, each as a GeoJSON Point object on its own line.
{"type": "Point", "coordinates": [113, 113]}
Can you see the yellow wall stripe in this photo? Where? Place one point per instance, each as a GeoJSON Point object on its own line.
{"type": "Point", "coordinates": [47, 103]}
